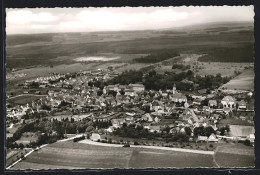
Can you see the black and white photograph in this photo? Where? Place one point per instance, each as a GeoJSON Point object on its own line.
{"type": "Point", "coordinates": [130, 88]}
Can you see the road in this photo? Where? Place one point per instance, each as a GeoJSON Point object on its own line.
{"type": "Point", "coordinates": [86, 141]}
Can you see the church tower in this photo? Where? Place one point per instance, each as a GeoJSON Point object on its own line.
{"type": "Point", "coordinates": [174, 89]}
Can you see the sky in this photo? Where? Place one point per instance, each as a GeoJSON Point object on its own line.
{"type": "Point", "coordinates": [55, 20]}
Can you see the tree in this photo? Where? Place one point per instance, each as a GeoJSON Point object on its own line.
{"type": "Point", "coordinates": [189, 74]}
{"type": "Point", "coordinates": [205, 102]}
{"type": "Point", "coordinates": [21, 146]}
{"type": "Point", "coordinates": [34, 84]}
{"type": "Point", "coordinates": [99, 93]}
{"type": "Point", "coordinates": [90, 83]}
{"type": "Point", "coordinates": [223, 130]}
{"type": "Point", "coordinates": [188, 131]}
{"type": "Point", "coordinates": [122, 92]}
{"type": "Point", "coordinates": [209, 130]}
{"type": "Point", "coordinates": [90, 128]}
{"type": "Point", "coordinates": [247, 142]}
{"type": "Point", "coordinates": [46, 107]}
{"type": "Point", "coordinates": [111, 92]}
{"type": "Point", "coordinates": [199, 131]}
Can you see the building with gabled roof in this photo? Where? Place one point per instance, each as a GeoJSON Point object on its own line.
{"type": "Point", "coordinates": [228, 102]}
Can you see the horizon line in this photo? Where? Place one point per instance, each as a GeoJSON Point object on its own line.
{"type": "Point", "coordinates": [127, 30]}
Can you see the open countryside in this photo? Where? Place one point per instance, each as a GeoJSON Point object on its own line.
{"type": "Point", "coordinates": [178, 97]}
{"type": "Point", "coordinates": [80, 156]}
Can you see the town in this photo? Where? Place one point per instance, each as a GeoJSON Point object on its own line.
{"type": "Point", "coordinates": [129, 88]}
{"type": "Point", "coordinates": [87, 103]}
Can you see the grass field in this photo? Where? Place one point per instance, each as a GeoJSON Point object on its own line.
{"type": "Point", "coordinates": [24, 99]}
{"type": "Point", "coordinates": [13, 155]}
{"type": "Point", "coordinates": [237, 155]}
{"type": "Point", "coordinates": [70, 155]}
{"type": "Point", "coordinates": [27, 137]}
{"type": "Point", "coordinates": [244, 81]}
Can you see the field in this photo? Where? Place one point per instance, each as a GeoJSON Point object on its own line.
{"type": "Point", "coordinates": [76, 155]}
{"type": "Point", "coordinates": [235, 156]}
{"type": "Point", "coordinates": [70, 155]}
{"type": "Point", "coordinates": [244, 81]}
{"type": "Point", "coordinates": [27, 137]}
{"type": "Point", "coordinates": [24, 99]}
{"type": "Point", "coordinates": [12, 130]}
{"type": "Point", "coordinates": [63, 48]}
{"type": "Point", "coordinates": [234, 121]}
{"type": "Point", "coordinates": [13, 155]}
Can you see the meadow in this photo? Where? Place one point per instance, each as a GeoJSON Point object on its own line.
{"type": "Point", "coordinates": [237, 156]}
{"type": "Point", "coordinates": [14, 154]}
{"type": "Point", "coordinates": [24, 99]}
{"type": "Point", "coordinates": [244, 81]}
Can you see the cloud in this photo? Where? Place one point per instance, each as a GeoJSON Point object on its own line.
{"type": "Point", "coordinates": [41, 20]}
{"type": "Point", "coordinates": [27, 17]}
{"type": "Point", "coordinates": [106, 20]}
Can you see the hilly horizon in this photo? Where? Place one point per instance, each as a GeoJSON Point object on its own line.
{"type": "Point", "coordinates": [224, 42]}
{"type": "Point", "coordinates": [191, 27]}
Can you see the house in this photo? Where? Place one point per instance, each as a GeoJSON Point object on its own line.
{"type": "Point", "coordinates": [117, 122]}
{"type": "Point", "coordinates": [202, 91]}
{"type": "Point", "coordinates": [212, 138]}
{"type": "Point", "coordinates": [110, 129]}
{"type": "Point", "coordinates": [212, 103]}
{"type": "Point", "coordinates": [38, 92]}
{"type": "Point", "coordinates": [137, 87]}
{"type": "Point", "coordinates": [251, 137]}
{"type": "Point", "coordinates": [202, 139]}
{"type": "Point", "coordinates": [154, 128]}
{"type": "Point", "coordinates": [178, 97]}
{"type": "Point", "coordinates": [156, 119]}
{"type": "Point", "coordinates": [147, 117]}
{"type": "Point", "coordinates": [206, 108]}
{"type": "Point", "coordinates": [95, 137]}
{"type": "Point", "coordinates": [130, 92]}
{"type": "Point", "coordinates": [196, 101]}
{"type": "Point", "coordinates": [42, 86]}
{"type": "Point", "coordinates": [228, 102]}
{"type": "Point", "coordinates": [189, 113]}
{"type": "Point", "coordinates": [242, 105]}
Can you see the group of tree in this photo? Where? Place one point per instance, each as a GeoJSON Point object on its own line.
{"type": "Point", "coordinates": [137, 132]}
{"type": "Point", "coordinates": [78, 138]}
{"type": "Point", "coordinates": [156, 57]}
{"type": "Point", "coordinates": [35, 115]}
{"type": "Point", "coordinates": [34, 85]}
{"type": "Point", "coordinates": [224, 130]}
{"type": "Point", "coordinates": [203, 131]}
{"type": "Point", "coordinates": [101, 124]}
{"type": "Point", "coordinates": [156, 81]}
{"type": "Point", "coordinates": [180, 66]}
{"type": "Point", "coordinates": [127, 77]}
{"type": "Point", "coordinates": [51, 130]}
{"type": "Point", "coordinates": [97, 83]}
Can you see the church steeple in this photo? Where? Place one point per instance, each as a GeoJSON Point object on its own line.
{"type": "Point", "coordinates": [174, 89]}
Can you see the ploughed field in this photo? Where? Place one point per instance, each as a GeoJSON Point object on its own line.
{"type": "Point", "coordinates": [70, 155]}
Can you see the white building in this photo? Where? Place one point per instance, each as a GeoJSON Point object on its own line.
{"type": "Point", "coordinates": [228, 102]}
